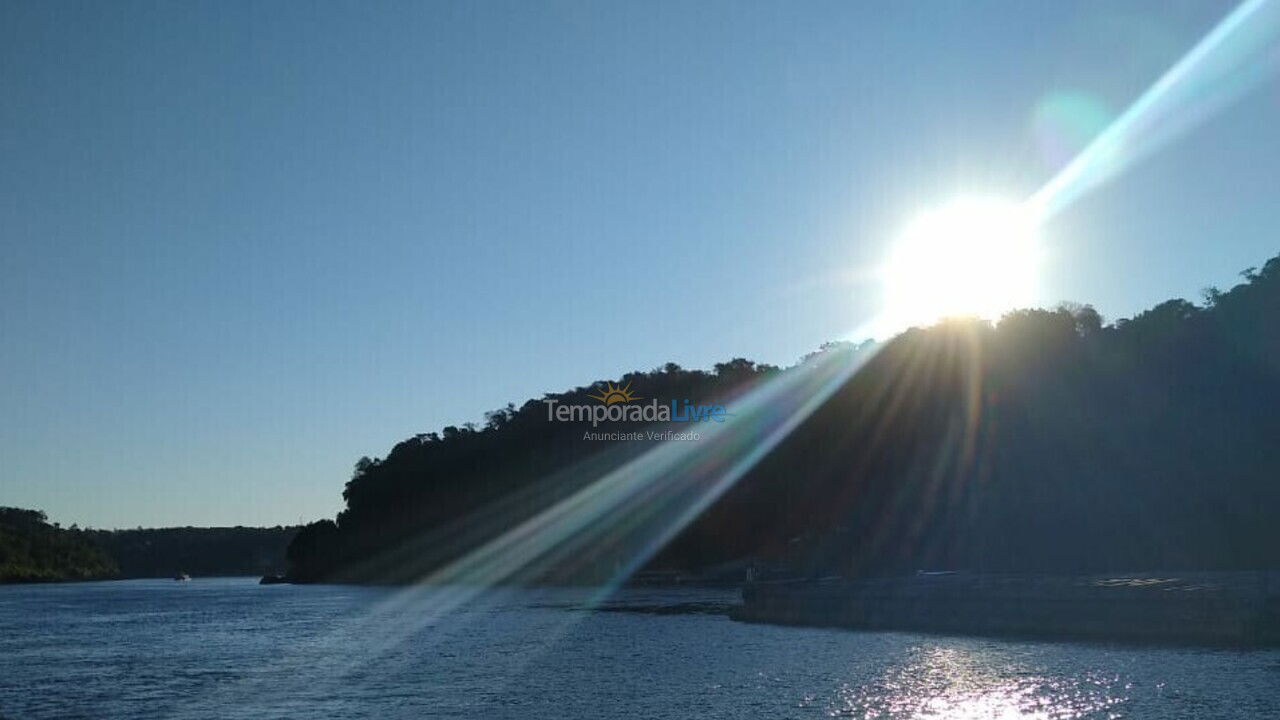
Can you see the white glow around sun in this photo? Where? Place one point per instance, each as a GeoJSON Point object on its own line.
{"type": "Point", "coordinates": [969, 258]}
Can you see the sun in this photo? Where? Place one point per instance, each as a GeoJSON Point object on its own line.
{"type": "Point", "coordinates": [972, 257]}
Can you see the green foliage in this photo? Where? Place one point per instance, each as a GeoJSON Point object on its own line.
{"type": "Point", "coordinates": [32, 550]}
{"type": "Point", "coordinates": [1046, 442]}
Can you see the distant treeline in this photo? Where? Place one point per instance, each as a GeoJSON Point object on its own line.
{"type": "Point", "coordinates": [34, 550]}
{"type": "Point", "coordinates": [198, 551]}
{"type": "Point", "coordinates": [1049, 441]}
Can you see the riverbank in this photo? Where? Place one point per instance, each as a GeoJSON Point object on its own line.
{"type": "Point", "coordinates": [1226, 609]}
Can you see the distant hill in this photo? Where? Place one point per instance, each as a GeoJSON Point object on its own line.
{"type": "Point", "coordinates": [198, 551]}
{"type": "Point", "coordinates": [33, 550]}
{"type": "Point", "coordinates": [1049, 441]}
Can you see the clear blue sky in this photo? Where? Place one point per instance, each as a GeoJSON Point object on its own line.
{"type": "Point", "coordinates": [245, 244]}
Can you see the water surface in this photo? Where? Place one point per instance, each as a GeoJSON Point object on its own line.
{"type": "Point", "coordinates": [229, 648]}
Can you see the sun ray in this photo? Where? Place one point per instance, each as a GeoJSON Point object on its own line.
{"type": "Point", "coordinates": [1234, 57]}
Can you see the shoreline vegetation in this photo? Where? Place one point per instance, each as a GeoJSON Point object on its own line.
{"type": "Point", "coordinates": [1048, 442]}
{"type": "Point", "coordinates": [34, 550]}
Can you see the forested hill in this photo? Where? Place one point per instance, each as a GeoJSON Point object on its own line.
{"type": "Point", "coordinates": [198, 551]}
{"type": "Point", "coordinates": [33, 550]}
{"type": "Point", "coordinates": [1047, 442]}
{"type": "Point", "coordinates": [424, 498]}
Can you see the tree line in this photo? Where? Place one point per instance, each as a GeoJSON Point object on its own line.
{"type": "Point", "coordinates": [1048, 441]}
{"type": "Point", "coordinates": [34, 550]}
{"type": "Point", "coordinates": [198, 551]}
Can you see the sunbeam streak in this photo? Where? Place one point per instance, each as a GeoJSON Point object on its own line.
{"type": "Point", "coordinates": [631, 512]}
{"type": "Point", "coordinates": [627, 514]}
{"type": "Point", "coordinates": [1234, 57]}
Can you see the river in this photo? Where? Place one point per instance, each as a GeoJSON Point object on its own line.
{"type": "Point", "coordinates": [230, 648]}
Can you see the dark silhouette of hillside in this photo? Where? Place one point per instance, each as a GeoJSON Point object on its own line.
{"type": "Point", "coordinates": [199, 551]}
{"type": "Point", "coordinates": [425, 498]}
{"type": "Point", "coordinates": [33, 550]}
{"type": "Point", "coordinates": [1047, 442]}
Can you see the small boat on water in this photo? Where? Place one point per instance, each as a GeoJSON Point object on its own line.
{"type": "Point", "coordinates": [181, 577]}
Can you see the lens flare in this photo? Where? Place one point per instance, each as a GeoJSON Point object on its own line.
{"type": "Point", "coordinates": [1237, 55]}
{"type": "Point", "coordinates": [1064, 123]}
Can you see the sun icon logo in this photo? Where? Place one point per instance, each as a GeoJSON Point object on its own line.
{"type": "Point", "coordinates": [613, 394]}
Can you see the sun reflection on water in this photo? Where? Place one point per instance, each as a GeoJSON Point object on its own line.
{"type": "Point", "coordinates": [960, 684]}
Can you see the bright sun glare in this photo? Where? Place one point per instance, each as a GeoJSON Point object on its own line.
{"type": "Point", "coordinates": [968, 258]}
